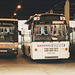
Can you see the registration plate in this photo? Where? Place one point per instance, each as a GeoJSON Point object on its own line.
{"type": "Point", "coordinates": [3, 50]}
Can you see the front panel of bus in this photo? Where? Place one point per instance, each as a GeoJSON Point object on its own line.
{"type": "Point", "coordinates": [8, 37]}
{"type": "Point", "coordinates": [50, 38]}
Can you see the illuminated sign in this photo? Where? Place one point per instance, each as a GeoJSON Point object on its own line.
{"type": "Point", "coordinates": [58, 22]}
{"type": "Point", "coordinates": [62, 18]}
{"type": "Point", "coordinates": [36, 18]}
{"type": "Point", "coordinates": [7, 24]}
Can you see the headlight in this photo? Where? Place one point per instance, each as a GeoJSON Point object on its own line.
{"type": "Point", "coordinates": [13, 48]}
{"type": "Point", "coordinates": [35, 49]}
{"type": "Point", "coordinates": [66, 49]}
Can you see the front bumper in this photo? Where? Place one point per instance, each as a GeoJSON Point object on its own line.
{"type": "Point", "coordinates": [8, 52]}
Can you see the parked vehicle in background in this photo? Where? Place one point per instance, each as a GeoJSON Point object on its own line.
{"type": "Point", "coordinates": [72, 37]}
{"type": "Point", "coordinates": [8, 36]}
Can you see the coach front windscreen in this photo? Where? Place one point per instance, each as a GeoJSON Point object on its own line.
{"type": "Point", "coordinates": [8, 31]}
{"type": "Point", "coordinates": [50, 29]}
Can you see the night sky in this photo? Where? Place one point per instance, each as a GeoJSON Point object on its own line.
{"type": "Point", "coordinates": [29, 7]}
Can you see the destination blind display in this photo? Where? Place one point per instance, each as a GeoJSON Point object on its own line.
{"type": "Point", "coordinates": [49, 17]}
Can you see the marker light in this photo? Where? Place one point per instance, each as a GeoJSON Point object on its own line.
{"type": "Point", "coordinates": [66, 49]}
{"type": "Point", "coordinates": [35, 49]}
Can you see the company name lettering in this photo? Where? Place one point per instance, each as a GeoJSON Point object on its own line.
{"type": "Point", "coordinates": [52, 45]}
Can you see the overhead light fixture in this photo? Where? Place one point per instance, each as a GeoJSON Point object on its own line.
{"type": "Point", "coordinates": [15, 14]}
{"type": "Point", "coordinates": [19, 6]}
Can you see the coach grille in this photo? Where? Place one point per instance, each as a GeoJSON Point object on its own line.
{"type": "Point", "coordinates": [50, 49]}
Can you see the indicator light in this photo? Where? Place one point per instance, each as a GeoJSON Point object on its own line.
{"type": "Point", "coordinates": [35, 49]}
{"type": "Point", "coordinates": [66, 49]}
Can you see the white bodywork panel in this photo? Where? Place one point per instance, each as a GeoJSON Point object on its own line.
{"type": "Point", "coordinates": [50, 50]}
